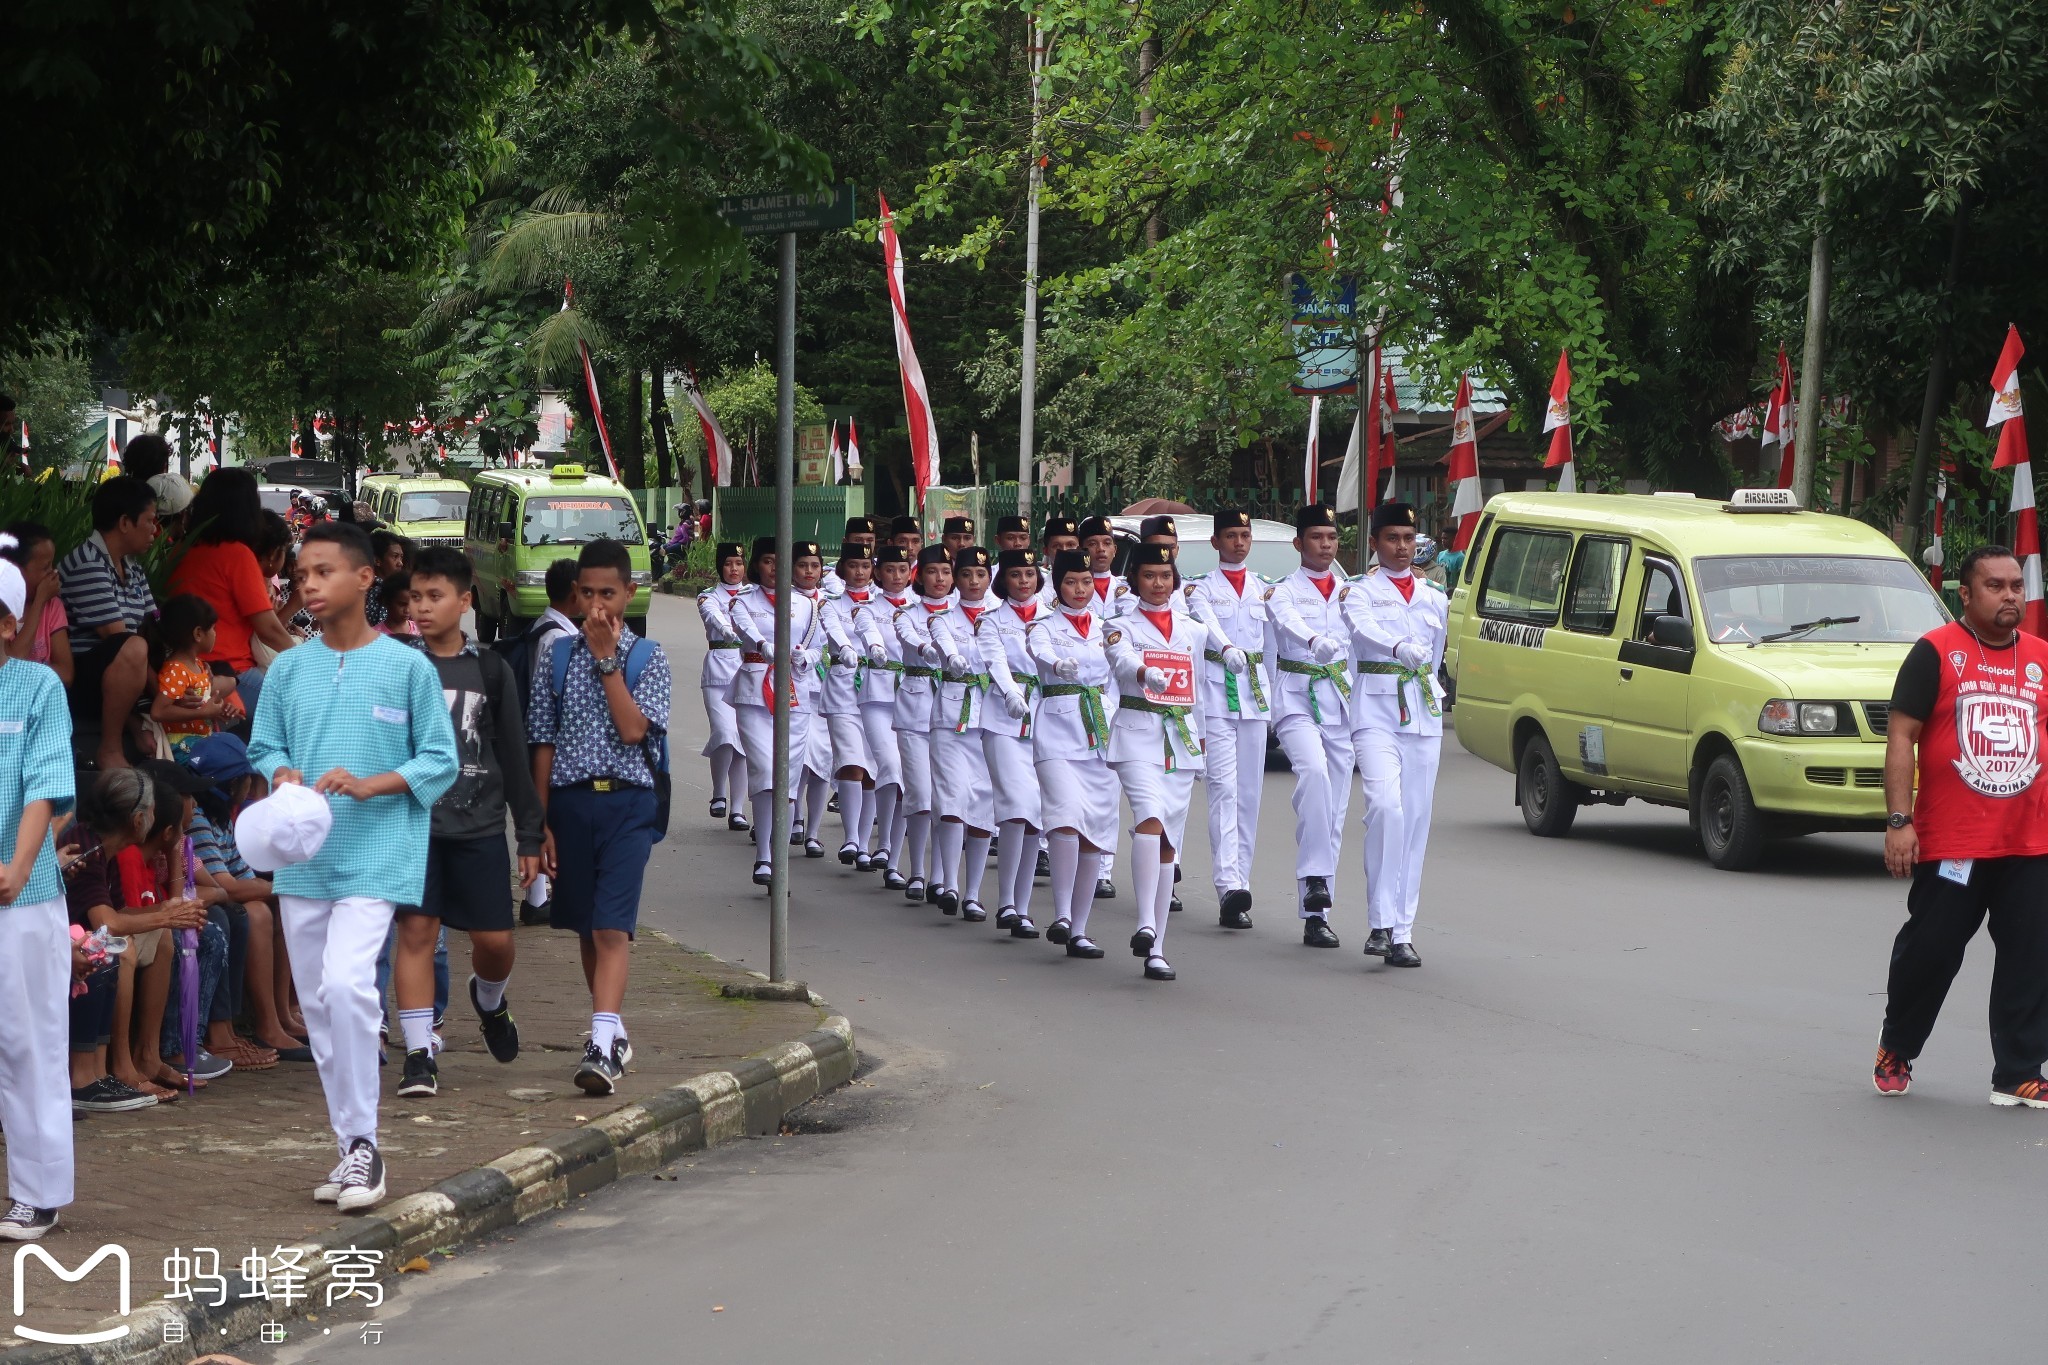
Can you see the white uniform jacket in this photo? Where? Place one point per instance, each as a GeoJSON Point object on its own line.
{"type": "Point", "coordinates": [1110, 596]}
{"type": "Point", "coordinates": [963, 677]}
{"type": "Point", "coordinates": [1012, 672]}
{"type": "Point", "coordinates": [1073, 719]}
{"type": "Point", "coordinates": [1146, 731]}
{"type": "Point", "coordinates": [753, 619]}
{"type": "Point", "coordinates": [1388, 691]}
{"type": "Point", "coordinates": [1233, 618]}
{"type": "Point", "coordinates": [878, 687]}
{"type": "Point", "coordinates": [1309, 646]}
{"type": "Point", "coordinates": [918, 688]}
{"type": "Point", "coordinates": [722, 659]}
{"type": "Point", "coordinates": [851, 630]}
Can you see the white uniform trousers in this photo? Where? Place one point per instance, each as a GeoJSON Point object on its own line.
{"type": "Point", "coordinates": [334, 947]}
{"type": "Point", "coordinates": [884, 764]}
{"type": "Point", "coordinates": [1234, 775]}
{"type": "Point", "coordinates": [849, 744]}
{"type": "Point", "coordinates": [1400, 789]}
{"type": "Point", "coordinates": [1080, 794]}
{"type": "Point", "coordinates": [35, 1052]}
{"type": "Point", "coordinates": [1156, 794]}
{"type": "Point", "coordinates": [914, 752]}
{"type": "Point", "coordinates": [960, 774]}
{"type": "Point", "coordinates": [1322, 779]}
{"type": "Point", "coordinates": [1014, 776]}
{"type": "Point", "coordinates": [724, 726]}
{"type": "Point", "coordinates": [757, 735]}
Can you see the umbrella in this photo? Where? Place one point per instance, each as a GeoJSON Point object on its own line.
{"type": "Point", "coordinates": [188, 950]}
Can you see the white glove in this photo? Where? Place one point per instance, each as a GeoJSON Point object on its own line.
{"type": "Point", "coordinates": [799, 660]}
{"type": "Point", "coordinates": [956, 663]}
{"type": "Point", "coordinates": [1066, 670]}
{"type": "Point", "coordinates": [1412, 655]}
{"type": "Point", "coordinates": [1235, 660]}
{"type": "Point", "coordinates": [1155, 680]}
{"type": "Point", "coordinates": [1324, 650]}
{"type": "Point", "coordinates": [1014, 703]}
{"type": "Point", "coordinates": [877, 655]}
{"type": "Point", "coordinates": [930, 653]}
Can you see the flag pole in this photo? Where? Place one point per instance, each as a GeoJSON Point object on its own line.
{"type": "Point", "coordinates": [1027, 417]}
{"type": "Point", "coordinates": [785, 695]}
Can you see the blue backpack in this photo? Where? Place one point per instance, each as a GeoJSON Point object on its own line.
{"type": "Point", "coordinates": [655, 745]}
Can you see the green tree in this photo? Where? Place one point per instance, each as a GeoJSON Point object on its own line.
{"type": "Point", "coordinates": [50, 380]}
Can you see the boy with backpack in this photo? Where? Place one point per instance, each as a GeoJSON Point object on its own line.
{"type": "Point", "coordinates": [468, 872]}
{"type": "Point", "coordinates": [520, 651]}
{"type": "Point", "coordinates": [598, 724]}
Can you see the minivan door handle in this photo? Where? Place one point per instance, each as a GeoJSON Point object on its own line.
{"type": "Point", "coordinates": [1627, 673]}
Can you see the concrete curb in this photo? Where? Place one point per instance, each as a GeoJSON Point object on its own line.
{"type": "Point", "coordinates": [716, 1107]}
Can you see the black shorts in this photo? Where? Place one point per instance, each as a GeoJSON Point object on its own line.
{"type": "Point", "coordinates": [89, 667]}
{"type": "Point", "coordinates": [469, 884]}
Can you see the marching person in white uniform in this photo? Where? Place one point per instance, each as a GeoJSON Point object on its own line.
{"type": "Point", "coordinates": [752, 694]}
{"type": "Point", "coordinates": [916, 704]}
{"type": "Point", "coordinates": [956, 534]}
{"type": "Point", "coordinates": [965, 800]}
{"type": "Point", "coordinates": [1236, 711]}
{"type": "Point", "coordinates": [808, 573]}
{"type": "Point", "coordinates": [1155, 742]}
{"type": "Point", "coordinates": [721, 661]}
{"type": "Point", "coordinates": [1397, 621]}
{"type": "Point", "coordinates": [878, 715]}
{"type": "Point", "coordinates": [856, 651]}
{"type": "Point", "coordinates": [1311, 645]}
{"type": "Point", "coordinates": [1060, 533]}
{"type": "Point", "coordinates": [1070, 735]}
{"type": "Point", "coordinates": [860, 531]}
{"type": "Point", "coordinates": [1012, 533]}
{"type": "Point", "coordinates": [1107, 596]}
{"type": "Point", "coordinates": [1006, 735]}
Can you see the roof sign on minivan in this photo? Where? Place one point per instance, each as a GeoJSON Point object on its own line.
{"type": "Point", "coordinates": [1763, 500]}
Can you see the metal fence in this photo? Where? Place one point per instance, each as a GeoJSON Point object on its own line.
{"type": "Point", "coordinates": [819, 513]}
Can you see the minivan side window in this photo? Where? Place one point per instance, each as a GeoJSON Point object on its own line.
{"type": "Point", "coordinates": [1663, 595]}
{"type": "Point", "coordinates": [1594, 598]}
{"type": "Point", "coordinates": [1525, 575]}
{"type": "Point", "coordinates": [1478, 544]}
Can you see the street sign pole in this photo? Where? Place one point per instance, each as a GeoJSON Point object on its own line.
{"type": "Point", "coordinates": [785, 515]}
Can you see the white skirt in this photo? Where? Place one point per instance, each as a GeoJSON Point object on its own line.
{"type": "Point", "coordinates": [757, 742]}
{"type": "Point", "coordinates": [1156, 794]}
{"type": "Point", "coordinates": [1014, 777]}
{"type": "Point", "coordinates": [724, 725]}
{"type": "Point", "coordinates": [817, 748]}
{"type": "Point", "coordinates": [885, 763]}
{"type": "Point", "coordinates": [1080, 794]}
{"type": "Point", "coordinates": [914, 749]}
{"type": "Point", "coordinates": [849, 744]}
{"type": "Point", "coordinates": [961, 773]}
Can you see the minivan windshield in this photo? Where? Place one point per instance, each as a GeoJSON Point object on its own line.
{"type": "Point", "coordinates": [577, 519]}
{"type": "Point", "coordinates": [450, 504]}
{"type": "Point", "coordinates": [1828, 599]}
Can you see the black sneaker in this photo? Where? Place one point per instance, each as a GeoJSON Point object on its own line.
{"type": "Point", "coordinates": [533, 916]}
{"type": "Point", "coordinates": [422, 1078]}
{"type": "Point", "coordinates": [109, 1096]}
{"type": "Point", "coordinates": [501, 1035]}
{"type": "Point", "coordinates": [597, 1074]}
{"type": "Point", "coordinates": [362, 1177]}
{"type": "Point", "coordinates": [26, 1224]}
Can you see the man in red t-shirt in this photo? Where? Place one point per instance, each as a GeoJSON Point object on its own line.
{"type": "Point", "coordinates": [1973, 832]}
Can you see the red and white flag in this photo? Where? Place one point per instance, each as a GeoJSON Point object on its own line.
{"type": "Point", "coordinates": [717, 449]}
{"type": "Point", "coordinates": [1312, 457]}
{"type": "Point", "coordinates": [838, 457]}
{"type": "Point", "coordinates": [1557, 420]}
{"type": "Point", "coordinates": [1463, 460]}
{"type": "Point", "coordinates": [917, 399]}
{"type": "Point", "coordinates": [2008, 416]}
{"type": "Point", "coordinates": [604, 437]}
{"type": "Point", "coordinates": [853, 450]}
{"type": "Point", "coordinates": [1781, 421]}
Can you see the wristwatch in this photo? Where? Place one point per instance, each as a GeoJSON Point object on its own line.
{"type": "Point", "coordinates": [606, 667]}
{"type": "Point", "coordinates": [1898, 820]}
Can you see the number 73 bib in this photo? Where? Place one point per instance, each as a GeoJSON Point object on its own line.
{"type": "Point", "coordinates": [1179, 669]}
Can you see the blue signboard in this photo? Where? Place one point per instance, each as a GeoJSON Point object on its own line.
{"type": "Point", "coordinates": [1325, 342]}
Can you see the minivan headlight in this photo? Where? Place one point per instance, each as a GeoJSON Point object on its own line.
{"type": "Point", "coordinates": [531, 578]}
{"type": "Point", "coordinates": [1782, 716]}
{"type": "Point", "coordinates": [642, 577]}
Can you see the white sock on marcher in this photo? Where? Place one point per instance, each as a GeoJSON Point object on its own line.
{"type": "Point", "coordinates": [973, 866]}
{"type": "Point", "coordinates": [605, 1030]}
{"type": "Point", "coordinates": [418, 1028]}
{"type": "Point", "coordinates": [1063, 853]}
{"type": "Point", "coordinates": [1145, 875]}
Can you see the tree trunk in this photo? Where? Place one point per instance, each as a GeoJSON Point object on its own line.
{"type": "Point", "coordinates": [1812, 363]}
{"type": "Point", "coordinates": [1936, 397]}
{"type": "Point", "coordinates": [632, 438]}
{"type": "Point", "coordinates": [657, 419]}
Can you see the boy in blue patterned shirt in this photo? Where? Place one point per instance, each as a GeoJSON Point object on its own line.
{"type": "Point", "coordinates": [360, 716]}
{"type": "Point", "coordinates": [593, 743]}
{"type": "Point", "coordinates": [36, 958]}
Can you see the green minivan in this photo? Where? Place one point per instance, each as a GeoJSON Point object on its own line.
{"type": "Point", "coordinates": [522, 520]}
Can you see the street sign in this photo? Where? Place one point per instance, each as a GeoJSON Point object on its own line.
{"type": "Point", "coordinates": [761, 215]}
{"type": "Point", "coordinates": [1325, 342]}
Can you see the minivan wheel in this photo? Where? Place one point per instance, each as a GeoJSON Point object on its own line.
{"type": "Point", "coordinates": [486, 627]}
{"type": "Point", "coordinates": [1550, 800]}
{"type": "Point", "coordinates": [1731, 827]}
{"type": "Point", "coordinates": [510, 623]}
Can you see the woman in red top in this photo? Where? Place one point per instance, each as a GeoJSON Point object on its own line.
{"type": "Point", "coordinates": [221, 567]}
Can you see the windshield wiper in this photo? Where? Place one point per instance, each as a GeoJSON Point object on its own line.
{"type": "Point", "coordinates": [1821, 624]}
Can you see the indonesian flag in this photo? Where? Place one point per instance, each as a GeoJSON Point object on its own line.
{"type": "Point", "coordinates": [1373, 435]}
{"type": "Point", "coordinates": [838, 457]}
{"type": "Point", "coordinates": [1784, 411]}
{"type": "Point", "coordinates": [1348, 475]}
{"type": "Point", "coordinates": [717, 449]}
{"type": "Point", "coordinates": [1385, 459]}
{"type": "Point", "coordinates": [604, 437]}
{"type": "Point", "coordinates": [853, 450]}
{"type": "Point", "coordinates": [1557, 420]}
{"type": "Point", "coordinates": [917, 399]}
{"type": "Point", "coordinates": [1313, 455]}
{"type": "Point", "coordinates": [1463, 460]}
{"type": "Point", "coordinates": [2006, 415]}
{"type": "Point", "coordinates": [1933, 555]}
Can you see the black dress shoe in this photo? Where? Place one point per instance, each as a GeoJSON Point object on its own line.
{"type": "Point", "coordinates": [531, 915]}
{"type": "Point", "coordinates": [1316, 932]}
{"type": "Point", "coordinates": [832, 803]}
{"type": "Point", "coordinates": [813, 849]}
{"type": "Point", "coordinates": [1043, 868]}
{"type": "Point", "coordinates": [972, 912]}
{"type": "Point", "coordinates": [878, 861]}
{"type": "Point", "coordinates": [946, 898]}
{"type": "Point", "coordinates": [892, 880]}
{"type": "Point", "coordinates": [718, 808]}
{"type": "Point", "coordinates": [1082, 946]}
{"type": "Point", "coordinates": [1236, 910]}
{"type": "Point", "coordinates": [863, 863]}
{"type": "Point", "coordinates": [739, 822]}
{"type": "Point", "coordinates": [796, 832]}
{"type": "Point", "coordinates": [1158, 969]}
{"type": "Point", "coordinates": [1024, 928]}
{"type": "Point", "coordinates": [1315, 895]}
{"type": "Point", "coordinates": [1377, 942]}
{"type": "Point", "coordinates": [1176, 878]}
{"type": "Point", "coordinates": [1141, 943]}
{"type": "Point", "coordinates": [1006, 916]}
{"type": "Point", "coordinates": [1403, 955]}
{"type": "Point", "coordinates": [913, 890]}
{"type": "Point", "coordinates": [764, 873]}
{"type": "Point", "coordinates": [1105, 889]}
{"type": "Point", "coordinates": [1058, 932]}
{"type": "Point", "coordinates": [1174, 905]}
{"type": "Point", "coordinates": [849, 854]}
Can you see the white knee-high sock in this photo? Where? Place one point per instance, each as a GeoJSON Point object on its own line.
{"type": "Point", "coordinates": [1086, 870]}
{"type": "Point", "coordinates": [1063, 851]}
{"type": "Point", "coordinates": [816, 790]}
{"type": "Point", "coordinates": [1021, 884]}
{"type": "Point", "coordinates": [973, 866]}
{"type": "Point", "coordinates": [738, 771]}
{"type": "Point", "coordinates": [863, 828]}
{"type": "Point", "coordinates": [888, 826]}
{"type": "Point", "coordinates": [1009, 852]}
{"type": "Point", "coordinates": [763, 804]}
{"type": "Point", "coordinates": [1162, 899]}
{"type": "Point", "coordinates": [850, 792]}
{"type": "Point", "coordinates": [1145, 876]}
{"type": "Point", "coordinates": [721, 767]}
{"type": "Point", "coordinates": [916, 836]}
{"type": "Point", "coordinates": [952, 834]}
{"type": "Point", "coordinates": [898, 838]}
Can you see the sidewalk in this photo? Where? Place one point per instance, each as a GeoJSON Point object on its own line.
{"type": "Point", "coordinates": [234, 1167]}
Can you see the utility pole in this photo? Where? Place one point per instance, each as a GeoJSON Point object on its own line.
{"type": "Point", "coordinates": [785, 514]}
{"type": "Point", "coordinates": [1027, 417]}
{"type": "Point", "coordinates": [1812, 362]}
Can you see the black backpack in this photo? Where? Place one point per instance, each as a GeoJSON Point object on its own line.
{"type": "Point", "coordinates": [520, 652]}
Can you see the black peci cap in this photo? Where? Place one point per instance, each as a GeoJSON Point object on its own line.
{"type": "Point", "coordinates": [1011, 525]}
{"type": "Point", "coordinates": [1068, 561]}
{"type": "Point", "coordinates": [1157, 526]}
{"type": "Point", "coordinates": [728, 549]}
{"type": "Point", "coordinates": [1393, 514]}
{"type": "Point", "coordinates": [1314, 514]}
{"type": "Point", "coordinates": [1095, 526]}
{"type": "Point", "coordinates": [905, 526]}
{"type": "Point", "coordinates": [958, 526]}
{"type": "Point", "coordinates": [890, 554]}
{"type": "Point", "coordinates": [933, 554]}
{"type": "Point", "coordinates": [860, 526]}
{"type": "Point", "coordinates": [1019, 559]}
{"type": "Point", "coordinates": [854, 549]}
{"type": "Point", "coordinates": [1235, 519]}
{"type": "Point", "coordinates": [970, 557]}
{"type": "Point", "coordinates": [1152, 553]}
{"type": "Point", "coordinates": [1060, 526]}
{"type": "Point", "coordinates": [799, 549]}
{"type": "Point", "coordinates": [763, 546]}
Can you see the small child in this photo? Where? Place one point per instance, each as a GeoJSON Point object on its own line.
{"type": "Point", "coordinates": [395, 592]}
{"type": "Point", "coordinates": [35, 931]}
{"type": "Point", "coordinates": [190, 701]}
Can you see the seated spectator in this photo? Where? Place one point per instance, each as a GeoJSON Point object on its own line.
{"type": "Point", "coordinates": [107, 598]}
{"type": "Point", "coordinates": [395, 592]}
{"type": "Point", "coordinates": [146, 455]}
{"type": "Point", "coordinates": [192, 701]}
{"type": "Point", "coordinates": [44, 635]}
{"type": "Point", "coordinates": [232, 537]}
{"type": "Point", "coordinates": [173, 503]}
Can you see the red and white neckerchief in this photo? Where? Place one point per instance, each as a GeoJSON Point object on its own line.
{"type": "Point", "coordinates": [1026, 609]}
{"type": "Point", "coordinates": [1324, 581]}
{"type": "Point", "coordinates": [1405, 585]}
{"type": "Point", "coordinates": [933, 607]}
{"type": "Point", "coordinates": [1102, 586]}
{"type": "Point", "coordinates": [1162, 621]}
{"type": "Point", "coordinates": [860, 596]}
{"type": "Point", "coordinates": [973, 612]}
{"type": "Point", "coordinates": [1235, 577]}
{"type": "Point", "coordinates": [1080, 622]}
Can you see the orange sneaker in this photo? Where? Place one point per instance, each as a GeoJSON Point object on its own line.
{"type": "Point", "coordinates": [2031, 1094]}
{"type": "Point", "coordinates": [1894, 1075]}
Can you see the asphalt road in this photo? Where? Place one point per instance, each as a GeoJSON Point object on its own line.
{"type": "Point", "coordinates": [1621, 1113]}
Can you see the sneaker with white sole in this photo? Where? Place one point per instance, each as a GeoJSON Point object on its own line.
{"type": "Point", "coordinates": [109, 1096]}
{"type": "Point", "coordinates": [362, 1177]}
{"type": "Point", "coordinates": [598, 1074]}
{"type": "Point", "coordinates": [2030, 1094]}
{"type": "Point", "coordinates": [329, 1190]}
{"type": "Point", "coordinates": [24, 1223]}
